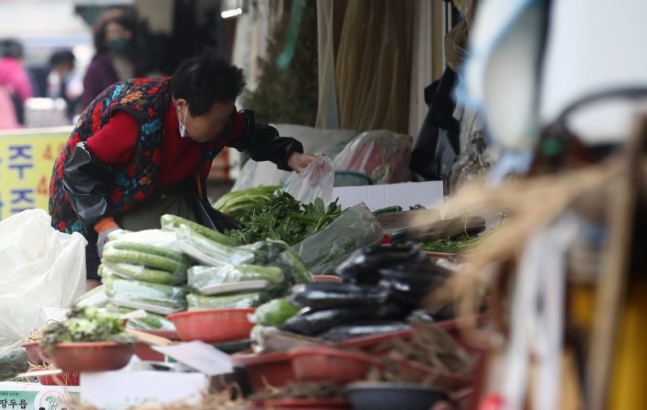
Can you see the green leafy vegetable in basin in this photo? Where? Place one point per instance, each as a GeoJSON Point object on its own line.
{"type": "Point", "coordinates": [87, 324]}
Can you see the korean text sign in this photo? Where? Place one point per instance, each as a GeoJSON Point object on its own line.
{"type": "Point", "coordinates": [26, 161]}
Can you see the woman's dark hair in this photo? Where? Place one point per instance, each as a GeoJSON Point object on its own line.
{"type": "Point", "coordinates": [62, 57]}
{"type": "Point", "coordinates": [119, 16]}
{"type": "Point", "coordinates": [205, 80]}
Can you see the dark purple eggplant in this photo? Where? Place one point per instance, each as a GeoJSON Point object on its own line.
{"type": "Point", "coordinates": [312, 323]}
{"type": "Point", "coordinates": [360, 266]}
{"type": "Point", "coordinates": [409, 288]}
{"type": "Point", "coordinates": [421, 315]}
{"type": "Point", "coordinates": [331, 295]}
{"type": "Point", "coordinates": [360, 329]}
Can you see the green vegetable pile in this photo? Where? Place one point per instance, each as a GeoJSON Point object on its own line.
{"type": "Point", "coordinates": [284, 218]}
{"type": "Point", "coordinates": [461, 244]}
{"type": "Point", "coordinates": [87, 324]}
{"type": "Point", "coordinates": [242, 205]}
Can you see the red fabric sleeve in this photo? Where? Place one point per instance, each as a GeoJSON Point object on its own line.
{"type": "Point", "coordinates": [115, 142]}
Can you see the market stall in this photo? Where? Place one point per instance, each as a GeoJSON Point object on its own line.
{"type": "Point", "coordinates": [306, 305]}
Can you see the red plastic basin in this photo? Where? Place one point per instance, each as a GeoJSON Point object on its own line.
{"type": "Point", "coordinates": [322, 363]}
{"type": "Point", "coordinates": [327, 278]}
{"type": "Point", "coordinates": [145, 352]}
{"type": "Point", "coordinates": [213, 325]}
{"type": "Point", "coordinates": [91, 356]}
{"type": "Point", "coordinates": [65, 379]}
{"type": "Point", "coordinates": [36, 354]}
{"type": "Point", "coordinates": [265, 370]}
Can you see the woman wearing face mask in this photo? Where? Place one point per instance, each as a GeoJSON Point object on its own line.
{"type": "Point", "coordinates": [144, 149]}
{"type": "Point", "coordinates": [115, 58]}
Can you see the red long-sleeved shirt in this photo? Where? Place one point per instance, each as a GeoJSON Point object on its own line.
{"type": "Point", "coordinates": [114, 144]}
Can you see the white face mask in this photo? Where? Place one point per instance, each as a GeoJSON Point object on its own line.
{"type": "Point", "coordinates": [183, 132]}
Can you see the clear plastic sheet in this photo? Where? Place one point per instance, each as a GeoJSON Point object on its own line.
{"type": "Point", "coordinates": [356, 228]}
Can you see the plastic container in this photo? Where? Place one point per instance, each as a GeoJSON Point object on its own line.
{"type": "Point", "coordinates": [389, 396]}
{"type": "Point", "coordinates": [36, 354]}
{"type": "Point", "coordinates": [352, 178]}
{"type": "Point", "coordinates": [321, 363]}
{"type": "Point", "coordinates": [327, 278]}
{"type": "Point", "coordinates": [65, 379]}
{"type": "Point", "coordinates": [213, 325]}
{"type": "Point", "coordinates": [264, 370]}
{"type": "Point", "coordinates": [91, 356]}
{"type": "Point", "coordinates": [145, 352]}
{"type": "Point", "coordinates": [410, 370]}
{"type": "Point", "coordinates": [321, 404]}
{"type": "Point", "coordinates": [368, 343]}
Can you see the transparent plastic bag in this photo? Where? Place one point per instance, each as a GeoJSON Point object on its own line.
{"type": "Point", "coordinates": [328, 142]}
{"type": "Point", "coordinates": [151, 255]}
{"type": "Point", "coordinates": [143, 273]}
{"type": "Point", "coordinates": [13, 359]}
{"type": "Point", "coordinates": [96, 297]}
{"type": "Point", "coordinates": [152, 297]}
{"type": "Point", "coordinates": [382, 155]}
{"type": "Point", "coordinates": [231, 301]}
{"type": "Point", "coordinates": [151, 321]}
{"type": "Point", "coordinates": [40, 268]}
{"type": "Point", "coordinates": [356, 228]}
{"type": "Point", "coordinates": [152, 237]}
{"type": "Point", "coordinates": [316, 181]}
{"type": "Point", "coordinates": [209, 280]}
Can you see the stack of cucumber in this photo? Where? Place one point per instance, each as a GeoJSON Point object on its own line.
{"type": "Point", "coordinates": [145, 270]}
{"type": "Point", "coordinates": [187, 266]}
{"type": "Point", "coordinates": [231, 276]}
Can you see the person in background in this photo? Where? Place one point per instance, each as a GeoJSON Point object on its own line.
{"type": "Point", "coordinates": [115, 59]}
{"type": "Point", "coordinates": [63, 82]}
{"type": "Point", "coordinates": [13, 76]}
{"type": "Point", "coordinates": [144, 148]}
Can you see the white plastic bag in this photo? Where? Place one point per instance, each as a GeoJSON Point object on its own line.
{"type": "Point", "coordinates": [328, 142]}
{"type": "Point", "coordinates": [40, 267]}
{"type": "Point", "coordinates": [316, 181]}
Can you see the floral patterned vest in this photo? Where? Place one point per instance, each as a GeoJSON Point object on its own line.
{"type": "Point", "coordinates": [148, 101]}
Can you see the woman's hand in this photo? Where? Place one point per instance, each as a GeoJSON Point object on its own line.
{"type": "Point", "coordinates": [298, 162]}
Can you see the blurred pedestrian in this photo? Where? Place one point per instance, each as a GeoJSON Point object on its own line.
{"type": "Point", "coordinates": [63, 82]}
{"type": "Point", "coordinates": [115, 59]}
{"type": "Point", "coordinates": [13, 76]}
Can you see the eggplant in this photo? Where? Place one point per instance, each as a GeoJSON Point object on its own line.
{"type": "Point", "coordinates": [312, 323]}
{"type": "Point", "coordinates": [345, 332]}
{"type": "Point", "coordinates": [408, 288]}
{"type": "Point", "coordinates": [331, 295]}
{"type": "Point", "coordinates": [361, 266]}
{"type": "Point", "coordinates": [421, 315]}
